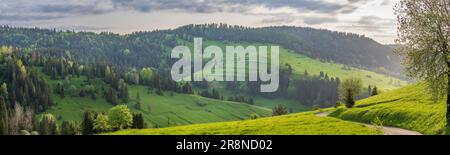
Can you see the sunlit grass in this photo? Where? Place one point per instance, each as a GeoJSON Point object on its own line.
{"type": "Point", "coordinates": [410, 107]}
{"type": "Point", "coordinates": [295, 124]}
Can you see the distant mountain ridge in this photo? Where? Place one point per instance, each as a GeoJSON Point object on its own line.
{"type": "Point", "coordinates": [346, 48]}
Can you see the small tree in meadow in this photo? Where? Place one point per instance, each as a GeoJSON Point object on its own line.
{"type": "Point", "coordinates": [349, 89]}
{"type": "Point", "coordinates": [279, 110]}
{"type": "Point", "coordinates": [120, 117]}
{"type": "Point", "coordinates": [374, 91]}
{"type": "Point", "coordinates": [101, 123]}
{"type": "Point", "coordinates": [48, 125]}
{"type": "Point", "coordinates": [349, 100]}
{"type": "Point", "coordinates": [138, 102]}
{"type": "Point", "coordinates": [87, 126]}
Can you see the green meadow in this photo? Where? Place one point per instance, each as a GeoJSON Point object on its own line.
{"type": "Point", "coordinates": [294, 124]}
{"type": "Point", "coordinates": [172, 109]}
{"type": "Point", "coordinates": [410, 108]}
{"type": "Point", "coordinates": [300, 63]}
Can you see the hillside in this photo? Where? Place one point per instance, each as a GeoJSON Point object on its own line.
{"type": "Point", "coordinates": [300, 63]}
{"type": "Point", "coordinates": [170, 109]}
{"type": "Point", "coordinates": [294, 124]}
{"type": "Point", "coordinates": [158, 111]}
{"type": "Point", "coordinates": [410, 107]}
{"type": "Point", "coordinates": [345, 48]}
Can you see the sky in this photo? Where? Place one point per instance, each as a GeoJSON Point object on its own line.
{"type": "Point", "coordinates": [372, 18]}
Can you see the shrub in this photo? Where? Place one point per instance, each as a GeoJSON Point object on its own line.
{"type": "Point", "coordinates": [254, 116]}
{"type": "Point", "coordinates": [101, 123]}
{"type": "Point", "coordinates": [48, 125]}
{"type": "Point", "coordinates": [120, 117]}
{"type": "Point", "coordinates": [279, 110]}
{"type": "Point", "coordinates": [24, 132]}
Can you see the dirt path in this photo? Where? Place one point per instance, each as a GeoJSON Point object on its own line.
{"type": "Point", "coordinates": [386, 130]}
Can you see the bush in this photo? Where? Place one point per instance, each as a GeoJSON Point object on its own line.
{"type": "Point", "coordinates": [279, 110]}
{"type": "Point", "coordinates": [48, 125]}
{"type": "Point", "coordinates": [378, 123]}
{"type": "Point", "coordinates": [70, 128]}
{"type": "Point", "coordinates": [254, 116]}
{"type": "Point", "coordinates": [120, 117]}
{"type": "Point", "coordinates": [338, 104]}
{"type": "Point", "coordinates": [101, 123]}
{"type": "Point", "coordinates": [314, 108]}
{"type": "Point", "coordinates": [24, 132]}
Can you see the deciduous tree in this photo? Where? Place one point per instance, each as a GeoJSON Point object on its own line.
{"type": "Point", "coordinates": [424, 32]}
{"type": "Point", "coordinates": [120, 117]}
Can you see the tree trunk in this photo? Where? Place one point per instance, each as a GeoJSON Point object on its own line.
{"type": "Point", "coordinates": [448, 96]}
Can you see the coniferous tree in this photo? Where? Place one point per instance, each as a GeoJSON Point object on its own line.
{"type": "Point", "coordinates": [87, 126]}
{"type": "Point", "coordinates": [279, 110]}
{"type": "Point", "coordinates": [138, 121]}
{"type": "Point", "coordinates": [69, 128]}
{"type": "Point", "coordinates": [374, 91]}
{"type": "Point", "coordinates": [349, 100]}
{"type": "Point", "coordinates": [3, 117]}
{"type": "Point", "coordinates": [138, 101]}
{"type": "Point", "coordinates": [48, 125]}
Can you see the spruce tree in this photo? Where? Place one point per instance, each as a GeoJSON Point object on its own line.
{"type": "Point", "coordinates": [138, 101]}
{"type": "Point", "coordinates": [349, 101]}
{"type": "Point", "coordinates": [87, 126]}
{"type": "Point", "coordinates": [48, 125]}
{"type": "Point", "coordinates": [3, 117]}
{"type": "Point", "coordinates": [138, 121]}
{"type": "Point", "coordinates": [374, 91]}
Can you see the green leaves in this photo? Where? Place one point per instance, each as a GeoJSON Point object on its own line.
{"type": "Point", "coordinates": [120, 117]}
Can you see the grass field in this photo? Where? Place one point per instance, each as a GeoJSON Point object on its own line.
{"type": "Point", "coordinates": [293, 105]}
{"type": "Point", "coordinates": [294, 124]}
{"type": "Point", "coordinates": [410, 107]}
{"type": "Point", "coordinates": [159, 111]}
{"type": "Point", "coordinates": [300, 63]}
{"type": "Point", "coordinates": [182, 109]}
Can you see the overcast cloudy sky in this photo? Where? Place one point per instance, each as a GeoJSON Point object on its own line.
{"type": "Point", "coordinates": [373, 18]}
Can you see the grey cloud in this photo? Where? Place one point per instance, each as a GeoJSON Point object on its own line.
{"type": "Point", "coordinates": [29, 10]}
{"type": "Point", "coordinates": [73, 7]}
{"type": "Point", "coordinates": [20, 17]}
{"type": "Point", "coordinates": [69, 9]}
{"type": "Point", "coordinates": [82, 28]}
{"type": "Point", "coordinates": [385, 2]}
{"type": "Point", "coordinates": [319, 20]}
{"type": "Point", "coordinates": [279, 19]}
{"type": "Point", "coordinates": [369, 20]}
{"type": "Point", "coordinates": [371, 24]}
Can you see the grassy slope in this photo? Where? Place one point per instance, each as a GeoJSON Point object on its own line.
{"type": "Point", "coordinates": [294, 124]}
{"type": "Point", "coordinates": [300, 62]}
{"type": "Point", "coordinates": [179, 109]}
{"type": "Point", "coordinates": [293, 105]}
{"type": "Point", "coordinates": [410, 107]}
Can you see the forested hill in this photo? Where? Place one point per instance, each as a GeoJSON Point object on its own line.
{"type": "Point", "coordinates": [346, 48]}
{"type": "Point", "coordinates": [142, 49]}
